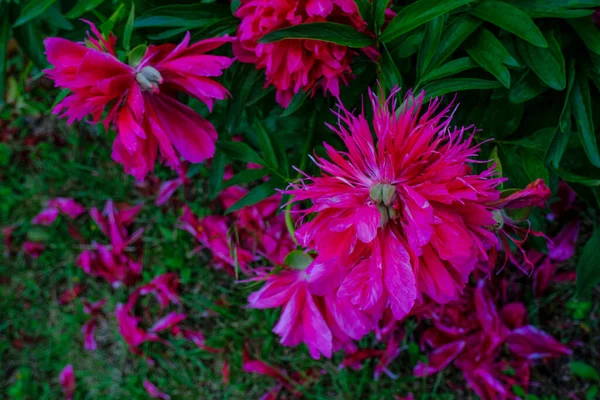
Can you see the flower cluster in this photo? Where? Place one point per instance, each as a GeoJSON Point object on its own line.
{"type": "Point", "coordinates": [294, 65]}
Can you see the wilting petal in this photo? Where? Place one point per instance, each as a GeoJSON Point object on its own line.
{"type": "Point", "coordinates": [562, 246]}
{"type": "Point", "coordinates": [71, 294]}
{"type": "Point", "coordinates": [46, 217]}
{"type": "Point", "coordinates": [67, 381]}
{"type": "Point", "coordinates": [440, 359]}
{"type": "Point", "coordinates": [88, 334]}
{"type": "Point", "coordinates": [154, 392]}
{"type": "Point", "coordinates": [168, 321]}
{"type": "Point", "coordinates": [532, 343]}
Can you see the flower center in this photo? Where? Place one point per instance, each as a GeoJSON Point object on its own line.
{"type": "Point", "coordinates": [148, 79]}
{"type": "Point", "coordinates": [384, 195]}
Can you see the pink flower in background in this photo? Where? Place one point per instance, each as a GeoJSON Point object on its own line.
{"type": "Point", "coordinates": [155, 392]}
{"type": "Point", "coordinates": [113, 222]}
{"type": "Point", "coordinates": [139, 100]}
{"type": "Point", "coordinates": [70, 294]}
{"type": "Point", "coordinates": [34, 249]}
{"type": "Point", "coordinates": [562, 246]}
{"type": "Point", "coordinates": [89, 328]}
{"type": "Point", "coordinates": [164, 287]}
{"type": "Point", "coordinates": [7, 233]}
{"type": "Point", "coordinates": [399, 216]}
{"type": "Point", "coordinates": [168, 188]}
{"type": "Point", "coordinates": [67, 381]}
{"type": "Point", "coordinates": [294, 65]}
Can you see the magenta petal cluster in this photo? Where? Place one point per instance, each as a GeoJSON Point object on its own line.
{"type": "Point", "coordinates": [399, 216]}
{"type": "Point", "coordinates": [139, 100]}
{"type": "Point", "coordinates": [112, 262]}
{"type": "Point", "coordinates": [54, 207]}
{"type": "Point", "coordinates": [324, 323]}
{"type": "Point", "coordinates": [294, 65]}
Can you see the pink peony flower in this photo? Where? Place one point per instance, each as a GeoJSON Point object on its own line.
{"type": "Point", "coordinates": [155, 392]}
{"type": "Point", "coordinates": [34, 249]}
{"type": "Point", "coordinates": [293, 65]}
{"type": "Point", "coordinates": [401, 215]}
{"type": "Point", "coordinates": [67, 381]}
{"type": "Point", "coordinates": [139, 100]}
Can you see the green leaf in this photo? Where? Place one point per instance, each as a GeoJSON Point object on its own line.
{"type": "Point", "coordinates": [455, 33]}
{"type": "Point", "coordinates": [240, 151]}
{"type": "Point", "coordinates": [266, 147]}
{"type": "Point", "coordinates": [83, 6]}
{"type": "Point", "coordinates": [450, 68]}
{"type": "Point", "coordinates": [298, 259]}
{"type": "Point", "coordinates": [183, 16]}
{"type": "Point", "coordinates": [4, 37]}
{"type": "Point", "coordinates": [29, 37]}
{"type": "Point", "coordinates": [407, 45]}
{"type": "Point", "coordinates": [582, 110]}
{"type": "Point", "coordinates": [331, 32]}
{"type": "Point", "coordinates": [538, 141]}
{"type": "Point", "coordinates": [390, 75]}
{"type": "Point", "coordinates": [379, 7]}
{"type": "Point", "coordinates": [215, 175]}
{"type": "Point", "coordinates": [417, 14]}
{"type": "Point", "coordinates": [551, 8]}
{"type": "Point", "coordinates": [242, 85]}
{"type": "Point", "coordinates": [365, 8]}
{"type": "Point", "coordinates": [548, 64]}
{"type": "Point", "coordinates": [527, 87]}
{"type": "Point", "coordinates": [129, 29]}
{"type": "Point", "coordinates": [246, 176]}
{"type": "Point", "coordinates": [588, 32]}
{"type": "Point", "coordinates": [108, 26]}
{"type": "Point", "coordinates": [235, 4]}
{"type": "Point", "coordinates": [54, 17]}
{"type": "Point", "coordinates": [487, 51]}
{"type": "Point", "coordinates": [534, 165]}
{"type": "Point", "coordinates": [32, 9]}
{"type": "Point", "coordinates": [135, 56]}
{"type": "Point", "coordinates": [561, 138]}
{"type": "Point", "coordinates": [452, 85]}
{"type": "Point", "coordinates": [255, 195]}
{"type": "Point", "coordinates": [495, 162]}
{"type": "Point", "coordinates": [511, 19]}
{"type": "Point", "coordinates": [579, 368]}
{"type": "Point", "coordinates": [433, 35]}
{"type": "Point", "coordinates": [588, 273]}
{"type": "Point", "coordinates": [576, 178]}
{"type": "Point", "coordinates": [63, 93]}
{"type": "Point", "coordinates": [297, 102]}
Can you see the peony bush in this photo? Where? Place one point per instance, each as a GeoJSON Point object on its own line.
{"type": "Point", "coordinates": [394, 189]}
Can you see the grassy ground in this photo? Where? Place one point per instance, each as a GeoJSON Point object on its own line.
{"type": "Point", "coordinates": [41, 158]}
